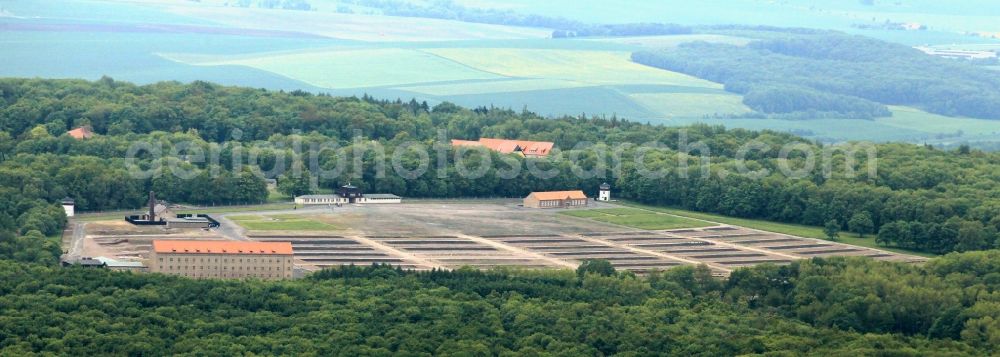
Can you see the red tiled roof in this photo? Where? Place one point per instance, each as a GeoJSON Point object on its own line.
{"type": "Point", "coordinates": [221, 247]}
{"type": "Point", "coordinates": [559, 195]}
{"type": "Point", "coordinates": [505, 146]}
{"type": "Point", "coordinates": [80, 133]}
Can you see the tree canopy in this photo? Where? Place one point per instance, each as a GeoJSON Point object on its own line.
{"type": "Point", "coordinates": [818, 307]}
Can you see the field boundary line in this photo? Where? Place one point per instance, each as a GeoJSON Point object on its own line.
{"type": "Point", "coordinates": [426, 52]}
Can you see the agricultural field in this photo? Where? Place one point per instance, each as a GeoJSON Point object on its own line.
{"type": "Point", "coordinates": [442, 60]}
{"type": "Point", "coordinates": [906, 124]}
{"type": "Point", "coordinates": [967, 16]}
{"type": "Point", "coordinates": [691, 105]}
{"type": "Point", "coordinates": [542, 79]}
{"type": "Point", "coordinates": [358, 27]}
{"type": "Point", "coordinates": [915, 119]}
{"type": "Point", "coordinates": [590, 67]}
{"type": "Point", "coordinates": [497, 86]}
{"type": "Point", "coordinates": [637, 218]}
{"type": "Point", "coordinates": [340, 68]}
{"type": "Point", "coordinates": [673, 40]}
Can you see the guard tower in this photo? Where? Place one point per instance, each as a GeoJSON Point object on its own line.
{"type": "Point", "coordinates": [350, 192]}
{"type": "Point", "coordinates": [69, 206]}
{"type": "Point", "coordinates": [605, 192]}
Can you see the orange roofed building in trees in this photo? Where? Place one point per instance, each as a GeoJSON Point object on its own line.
{"type": "Point", "coordinates": [522, 147]}
{"type": "Point", "coordinates": [81, 133]}
{"type": "Point", "coordinates": [222, 259]}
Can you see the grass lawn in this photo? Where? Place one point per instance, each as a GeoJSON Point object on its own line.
{"type": "Point", "coordinates": [224, 209]}
{"type": "Point", "coordinates": [298, 225]}
{"type": "Point", "coordinates": [785, 228]}
{"type": "Point", "coordinates": [102, 216]}
{"type": "Point", "coordinates": [107, 216]}
{"type": "Point", "coordinates": [281, 222]}
{"type": "Point", "coordinates": [273, 196]}
{"type": "Point", "coordinates": [637, 218]}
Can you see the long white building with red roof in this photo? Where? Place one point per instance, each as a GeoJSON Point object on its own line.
{"type": "Point", "coordinates": [222, 259]}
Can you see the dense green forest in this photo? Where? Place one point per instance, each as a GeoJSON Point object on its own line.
{"type": "Point", "coordinates": [825, 74]}
{"type": "Point", "coordinates": [819, 307]}
{"type": "Point", "coordinates": [931, 200]}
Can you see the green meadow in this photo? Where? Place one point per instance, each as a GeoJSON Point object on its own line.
{"type": "Point", "coordinates": [286, 222]}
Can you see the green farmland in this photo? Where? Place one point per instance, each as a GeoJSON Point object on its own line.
{"type": "Point", "coordinates": [590, 67]}
{"type": "Point", "coordinates": [470, 64]}
{"type": "Point", "coordinates": [691, 105]}
{"type": "Point", "coordinates": [339, 68]}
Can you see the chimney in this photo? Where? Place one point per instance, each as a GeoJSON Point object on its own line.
{"type": "Point", "coordinates": [152, 206]}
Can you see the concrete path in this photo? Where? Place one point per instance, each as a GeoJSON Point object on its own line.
{"type": "Point", "coordinates": [397, 252]}
{"type": "Point", "coordinates": [76, 242]}
{"type": "Point", "coordinates": [520, 252]}
{"type": "Point", "coordinates": [654, 253]}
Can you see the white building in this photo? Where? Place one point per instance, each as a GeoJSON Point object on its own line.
{"type": "Point", "coordinates": [320, 200]}
{"type": "Point", "coordinates": [604, 193]}
{"type": "Point", "coordinates": [121, 265]}
{"type": "Point", "coordinates": [69, 206]}
{"type": "Point", "coordinates": [381, 198]}
{"type": "Point", "coordinates": [335, 199]}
